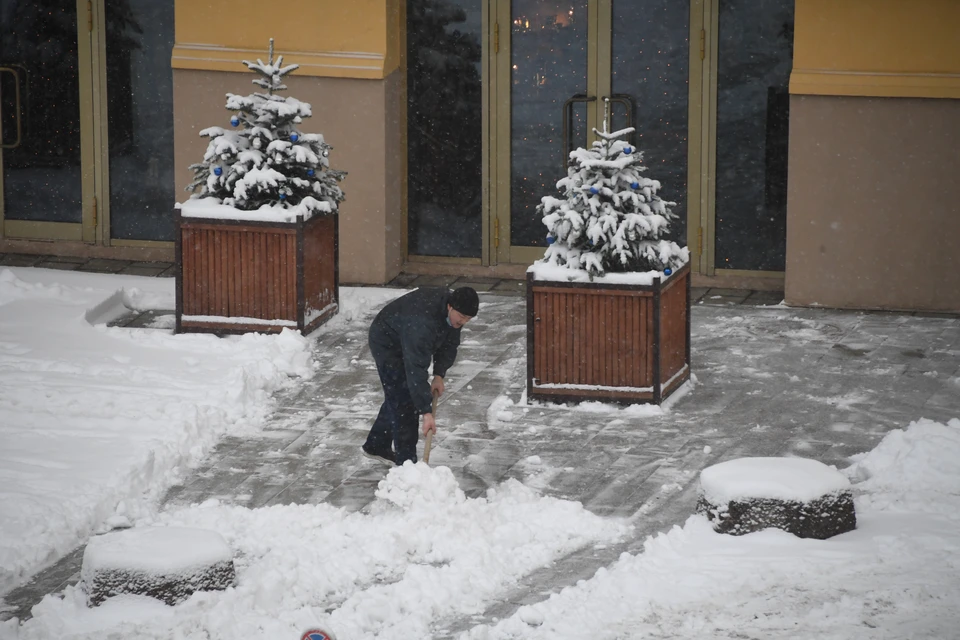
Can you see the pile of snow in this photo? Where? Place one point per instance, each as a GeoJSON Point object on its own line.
{"type": "Point", "coordinates": [418, 485]}
{"type": "Point", "coordinates": [213, 209]}
{"type": "Point", "coordinates": [411, 564]}
{"type": "Point", "coordinates": [891, 477]}
{"type": "Point", "coordinates": [97, 422]}
{"type": "Point", "coordinates": [550, 272]}
{"type": "Point", "coordinates": [802, 496]}
{"type": "Point", "coordinates": [896, 576]}
{"type": "Point", "coordinates": [423, 553]}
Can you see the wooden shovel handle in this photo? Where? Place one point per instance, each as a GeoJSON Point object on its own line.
{"type": "Point", "coordinates": [429, 442]}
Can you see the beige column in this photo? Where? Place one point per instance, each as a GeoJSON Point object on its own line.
{"type": "Point", "coordinates": [873, 203]}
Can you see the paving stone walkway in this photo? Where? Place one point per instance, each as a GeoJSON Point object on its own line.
{"type": "Point", "coordinates": [771, 381]}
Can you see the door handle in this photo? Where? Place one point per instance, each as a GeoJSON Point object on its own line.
{"type": "Point", "coordinates": [16, 107]}
{"type": "Point", "coordinates": [628, 104]}
{"type": "Point", "coordinates": [568, 125]}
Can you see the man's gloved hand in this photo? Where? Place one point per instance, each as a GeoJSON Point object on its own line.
{"type": "Point", "coordinates": [429, 424]}
{"type": "Point", "coordinates": [437, 386]}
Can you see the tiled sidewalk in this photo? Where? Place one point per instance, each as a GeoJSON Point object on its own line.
{"type": "Point", "coordinates": [771, 381]}
{"type": "Point", "coordinates": [93, 265]}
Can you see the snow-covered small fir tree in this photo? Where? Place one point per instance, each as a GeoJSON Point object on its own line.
{"type": "Point", "coordinates": [265, 159]}
{"type": "Point", "coordinates": [610, 219]}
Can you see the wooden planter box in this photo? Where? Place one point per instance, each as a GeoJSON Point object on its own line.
{"type": "Point", "coordinates": [620, 343]}
{"type": "Point", "coordinates": [238, 276]}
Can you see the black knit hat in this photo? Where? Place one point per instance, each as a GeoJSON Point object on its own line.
{"type": "Point", "coordinates": [465, 300]}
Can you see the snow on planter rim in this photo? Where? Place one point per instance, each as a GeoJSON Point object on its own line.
{"type": "Point", "coordinates": [799, 479]}
{"type": "Point", "coordinates": [212, 208]}
{"type": "Point", "coordinates": [555, 273]}
{"type": "Point", "coordinates": [155, 550]}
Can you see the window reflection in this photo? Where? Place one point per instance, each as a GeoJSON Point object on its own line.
{"type": "Point", "coordinates": [444, 127]}
{"type": "Point", "coordinates": [139, 43]}
{"type": "Point", "coordinates": [41, 177]}
{"type": "Point", "coordinates": [548, 62]}
{"type": "Point", "coordinates": [651, 52]}
{"type": "Point", "coordinates": [755, 58]}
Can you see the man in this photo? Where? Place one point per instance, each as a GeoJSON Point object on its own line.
{"type": "Point", "coordinates": [406, 335]}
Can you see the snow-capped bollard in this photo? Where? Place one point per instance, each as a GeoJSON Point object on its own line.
{"type": "Point", "coordinates": [801, 496]}
{"type": "Point", "coordinates": [166, 563]}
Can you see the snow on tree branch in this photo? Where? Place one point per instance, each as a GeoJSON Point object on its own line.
{"type": "Point", "coordinates": [610, 218]}
{"type": "Point", "coordinates": [264, 159]}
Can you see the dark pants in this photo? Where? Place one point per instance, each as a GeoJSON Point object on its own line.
{"type": "Point", "coordinates": [398, 422]}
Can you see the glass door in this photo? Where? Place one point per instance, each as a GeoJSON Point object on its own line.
{"type": "Point", "coordinates": [648, 84]}
{"type": "Point", "coordinates": [549, 95]}
{"type": "Point", "coordinates": [563, 59]}
{"type": "Point", "coordinates": [445, 129]}
{"type": "Point", "coordinates": [138, 42]}
{"type": "Point", "coordinates": [544, 102]}
{"type": "Point", "coordinates": [46, 120]}
{"type": "Point", "coordinates": [752, 57]}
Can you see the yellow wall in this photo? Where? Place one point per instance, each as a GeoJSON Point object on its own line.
{"type": "Point", "coordinates": [356, 39]}
{"type": "Point", "coordinates": [895, 48]}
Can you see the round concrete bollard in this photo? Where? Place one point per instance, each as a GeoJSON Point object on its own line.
{"type": "Point", "coordinates": [165, 563]}
{"type": "Point", "coordinates": [801, 496]}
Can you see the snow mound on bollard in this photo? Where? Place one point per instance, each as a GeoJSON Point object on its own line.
{"type": "Point", "coordinates": [166, 563]}
{"type": "Point", "coordinates": [418, 485]}
{"type": "Point", "coordinates": [801, 496]}
{"type": "Point", "coordinates": [799, 479]}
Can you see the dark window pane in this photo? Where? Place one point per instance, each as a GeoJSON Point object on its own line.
{"type": "Point", "coordinates": [651, 51]}
{"type": "Point", "coordinates": [41, 177]}
{"type": "Point", "coordinates": [444, 127]}
{"type": "Point", "coordinates": [549, 65]}
{"type": "Point", "coordinates": [755, 58]}
{"type": "Point", "coordinates": [140, 118]}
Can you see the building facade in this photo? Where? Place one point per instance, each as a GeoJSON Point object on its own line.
{"type": "Point", "coordinates": [808, 145]}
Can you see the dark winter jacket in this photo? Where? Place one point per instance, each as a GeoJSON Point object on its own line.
{"type": "Point", "coordinates": [409, 332]}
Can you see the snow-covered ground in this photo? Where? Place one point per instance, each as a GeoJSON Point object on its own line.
{"type": "Point", "coordinates": [897, 576]}
{"type": "Point", "coordinates": [96, 422]}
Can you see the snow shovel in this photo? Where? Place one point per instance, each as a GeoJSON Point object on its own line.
{"type": "Point", "coordinates": [429, 441]}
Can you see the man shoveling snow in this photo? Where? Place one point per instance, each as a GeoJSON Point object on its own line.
{"type": "Point", "coordinates": [406, 335]}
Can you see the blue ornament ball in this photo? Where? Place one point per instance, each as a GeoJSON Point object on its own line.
{"type": "Point", "coordinates": [217, 171]}
{"type": "Point", "coordinates": [667, 271]}
{"type": "Point", "coordinates": [283, 196]}
{"type": "Point", "coordinates": [634, 185]}
{"type": "Point", "coordinates": [294, 137]}
{"type": "Point", "coordinates": [235, 121]}
{"type": "Point", "coordinates": [627, 150]}
{"type": "Point", "coordinates": [551, 239]}
{"type": "Point", "coordinates": [594, 190]}
{"type": "Point", "coordinates": [310, 172]}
